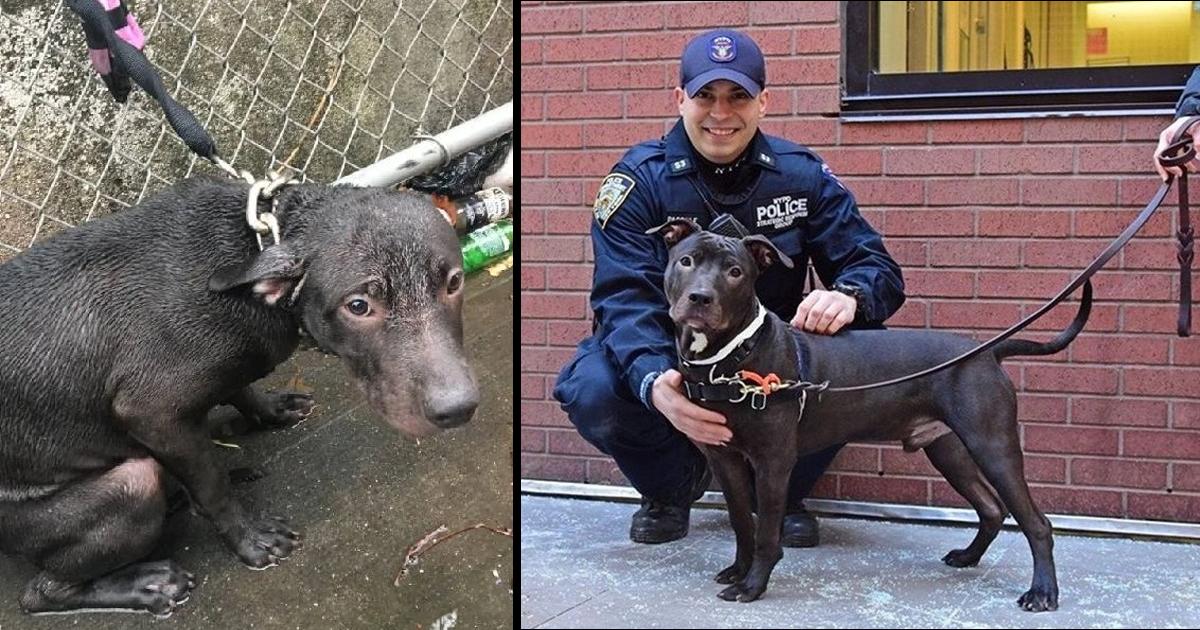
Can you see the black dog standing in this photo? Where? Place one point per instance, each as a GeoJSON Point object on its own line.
{"type": "Point", "coordinates": [964, 417]}
{"type": "Point", "coordinates": [116, 338]}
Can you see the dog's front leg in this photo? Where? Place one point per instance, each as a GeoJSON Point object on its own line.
{"type": "Point", "coordinates": [734, 474]}
{"type": "Point", "coordinates": [182, 446]}
{"type": "Point", "coordinates": [771, 480]}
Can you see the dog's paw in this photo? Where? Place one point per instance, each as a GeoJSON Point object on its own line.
{"type": "Point", "coordinates": [266, 541]}
{"type": "Point", "coordinates": [730, 574]}
{"type": "Point", "coordinates": [1038, 600]}
{"type": "Point", "coordinates": [960, 558]}
{"type": "Point", "coordinates": [731, 593]}
{"type": "Point", "coordinates": [284, 409]}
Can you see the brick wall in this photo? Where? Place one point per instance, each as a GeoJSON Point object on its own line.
{"type": "Point", "coordinates": [987, 217]}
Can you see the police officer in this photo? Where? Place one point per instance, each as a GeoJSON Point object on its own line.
{"type": "Point", "coordinates": [621, 390]}
{"type": "Point", "coordinates": [1188, 105]}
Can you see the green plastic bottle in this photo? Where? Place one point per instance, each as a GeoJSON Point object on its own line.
{"type": "Point", "coordinates": [481, 247]}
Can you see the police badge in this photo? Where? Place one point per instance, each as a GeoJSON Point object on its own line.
{"type": "Point", "coordinates": [612, 192]}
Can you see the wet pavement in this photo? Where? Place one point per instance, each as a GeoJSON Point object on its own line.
{"type": "Point", "coordinates": [579, 570]}
{"type": "Point", "coordinates": [361, 495]}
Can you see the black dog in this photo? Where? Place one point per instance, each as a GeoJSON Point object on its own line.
{"type": "Point", "coordinates": [116, 338]}
{"type": "Point", "coordinates": [965, 417]}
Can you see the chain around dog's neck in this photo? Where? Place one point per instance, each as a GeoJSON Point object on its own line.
{"type": "Point", "coordinates": [737, 340]}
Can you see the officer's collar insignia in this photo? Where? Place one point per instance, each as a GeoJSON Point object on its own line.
{"type": "Point", "coordinates": [825, 169]}
{"type": "Point", "coordinates": [679, 165]}
{"type": "Point", "coordinates": [722, 49]}
{"type": "Point", "coordinates": [765, 158]}
{"type": "Point", "coordinates": [613, 191]}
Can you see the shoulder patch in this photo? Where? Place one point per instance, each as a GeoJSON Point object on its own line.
{"type": "Point", "coordinates": [829, 173]}
{"type": "Point", "coordinates": [613, 191]}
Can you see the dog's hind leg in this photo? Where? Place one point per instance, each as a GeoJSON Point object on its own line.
{"type": "Point", "coordinates": [88, 539]}
{"type": "Point", "coordinates": [988, 428]}
{"type": "Point", "coordinates": [951, 458]}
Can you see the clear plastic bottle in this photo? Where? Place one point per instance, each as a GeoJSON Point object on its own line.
{"type": "Point", "coordinates": [481, 247]}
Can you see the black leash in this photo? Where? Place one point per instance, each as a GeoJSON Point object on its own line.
{"type": "Point", "coordinates": [130, 63]}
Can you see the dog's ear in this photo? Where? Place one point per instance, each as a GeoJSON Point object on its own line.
{"type": "Point", "coordinates": [675, 230]}
{"type": "Point", "coordinates": [273, 274]}
{"type": "Point", "coordinates": [764, 251]}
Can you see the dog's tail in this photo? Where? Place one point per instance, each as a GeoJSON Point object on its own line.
{"type": "Point", "coordinates": [1014, 347]}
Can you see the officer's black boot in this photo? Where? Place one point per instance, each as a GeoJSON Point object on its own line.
{"type": "Point", "coordinates": [659, 522]}
{"type": "Point", "coordinates": [800, 529]}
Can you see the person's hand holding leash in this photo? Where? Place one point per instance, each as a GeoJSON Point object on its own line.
{"type": "Point", "coordinates": [824, 312]}
{"type": "Point", "coordinates": [1164, 140]}
{"type": "Point", "coordinates": [694, 421]}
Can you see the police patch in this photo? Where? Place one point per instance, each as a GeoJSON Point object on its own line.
{"type": "Point", "coordinates": [825, 168]}
{"type": "Point", "coordinates": [722, 49]}
{"type": "Point", "coordinates": [613, 190]}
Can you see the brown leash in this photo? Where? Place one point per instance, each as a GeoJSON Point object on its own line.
{"type": "Point", "coordinates": [1178, 153]}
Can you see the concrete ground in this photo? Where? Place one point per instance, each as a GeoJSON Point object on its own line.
{"type": "Point", "coordinates": [579, 570]}
{"type": "Point", "coordinates": [361, 495]}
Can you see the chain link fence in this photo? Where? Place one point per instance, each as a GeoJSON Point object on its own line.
{"type": "Point", "coordinates": [322, 86]}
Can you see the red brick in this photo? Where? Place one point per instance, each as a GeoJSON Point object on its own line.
{"type": "Point", "coordinates": [1119, 412]}
{"type": "Point", "coordinates": [818, 39]}
{"type": "Point", "coordinates": [888, 191]}
{"type": "Point", "coordinates": [545, 360]}
{"type": "Point", "coordinates": [533, 333]}
{"type": "Point", "coordinates": [982, 191]}
{"type": "Point", "coordinates": [1045, 469]}
{"type": "Point", "coordinates": [570, 443]}
{"type": "Point", "coordinates": [1024, 223]}
{"type": "Point", "coordinates": [569, 220]}
{"type": "Point", "coordinates": [1127, 158]}
{"type": "Point", "coordinates": [627, 76]}
{"type": "Point", "coordinates": [622, 134]}
{"type": "Point", "coordinates": [1185, 415]}
{"type": "Point", "coordinates": [533, 441]}
{"type": "Point", "coordinates": [590, 105]}
{"type": "Point", "coordinates": [706, 15]}
{"type": "Point", "coordinates": [806, 131]}
{"type": "Point", "coordinates": [1153, 254]}
{"type": "Point", "coordinates": [886, 489]}
{"type": "Point", "coordinates": [569, 277]}
{"type": "Point", "coordinates": [857, 458]}
{"type": "Point", "coordinates": [1150, 318]}
{"type": "Point", "coordinates": [552, 192]}
{"type": "Point", "coordinates": [1072, 500]}
{"type": "Point", "coordinates": [792, 12]}
{"type": "Point", "coordinates": [881, 134]}
{"type": "Point", "coordinates": [1025, 159]}
{"type": "Point", "coordinates": [1145, 127]}
{"type": "Point", "coordinates": [653, 104]}
{"type": "Point", "coordinates": [1168, 507]}
{"type": "Point", "coordinates": [532, 165]}
{"type": "Point", "coordinates": [1119, 349]}
{"type": "Point", "coordinates": [567, 333]}
{"type": "Point", "coordinates": [1161, 444]}
{"type": "Point", "coordinates": [624, 17]}
{"type": "Point", "coordinates": [1072, 130]}
{"type": "Point", "coordinates": [974, 314]}
{"type": "Point", "coordinates": [550, 136]}
{"type": "Point", "coordinates": [1072, 254]}
{"type": "Point", "coordinates": [975, 253]}
{"type": "Point", "coordinates": [1041, 408]}
{"type": "Point", "coordinates": [665, 46]}
{"type": "Point", "coordinates": [1109, 223]}
{"type": "Point", "coordinates": [775, 41]}
{"type": "Point", "coordinates": [533, 386]}
{"type": "Point", "coordinates": [976, 131]}
{"type": "Point", "coordinates": [542, 414]}
{"type": "Point", "coordinates": [1088, 471]}
{"type": "Point", "coordinates": [533, 277]}
{"type": "Point", "coordinates": [908, 253]}
{"type": "Point", "coordinates": [1152, 382]}
{"type": "Point", "coordinates": [929, 161]}
{"type": "Point", "coordinates": [551, 248]}
{"type": "Point", "coordinates": [898, 462]}
{"type": "Point", "coordinates": [590, 48]}
{"type": "Point", "coordinates": [1186, 351]}
{"type": "Point", "coordinates": [531, 52]}
{"type": "Point", "coordinates": [853, 161]}
{"type": "Point", "coordinates": [1104, 316]}
{"type": "Point", "coordinates": [554, 468]}
{"type": "Point", "coordinates": [822, 99]}
{"type": "Point", "coordinates": [1068, 191]}
{"type": "Point", "coordinates": [552, 305]}
{"type": "Point", "coordinates": [605, 471]}
{"type": "Point", "coordinates": [1185, 477]}
{"type": "Point", "coordinates": [803, 71]}
{"type": "Point", "coordinates": [939, 283]}
{"type": "Point", "coordinates": [589, 163]}
{"type": "Point", "coordinates": [1140, 190]}
{"type": "Point", "coordinates": [551, 79]}
{"type": "Point", "coordinates": [1021, 283]}
{"type": "Point", "coordinates": [916, 222]}
{"type": "Point", "coordinates": [1071, 378]}
{"type": "Point", "coordinates": [551, 20]}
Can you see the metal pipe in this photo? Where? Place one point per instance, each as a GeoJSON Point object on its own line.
{"type": "Point", "coordinates": [431, 153]}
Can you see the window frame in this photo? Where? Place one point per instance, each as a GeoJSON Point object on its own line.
{"type": "Point", "coordinates": [1102, 89]}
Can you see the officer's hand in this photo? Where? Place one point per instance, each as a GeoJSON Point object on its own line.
{"type": "Point", "coordinates": [824, 312]}
{"type": "Point", "coordinates": [694, 421]}
{"type": "Point", "coordinates": [1164, 139]}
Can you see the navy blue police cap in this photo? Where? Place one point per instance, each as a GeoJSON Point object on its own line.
{"type": "Point", "coordinates": [722, 54]}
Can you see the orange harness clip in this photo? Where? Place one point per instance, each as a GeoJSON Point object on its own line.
{"type": "Point", "coordinates": [764, 382]}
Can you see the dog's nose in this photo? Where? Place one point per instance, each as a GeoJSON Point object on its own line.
{"type": "Point", "coordinates": [703, 298]}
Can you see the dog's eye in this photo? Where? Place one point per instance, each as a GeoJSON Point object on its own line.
{"type": "Point", "coordinates": [686, 261]}
{"type": "Point", "coordinates": [735, 272]}
{"type": "Point", "coordinates": [358, 306]}
{"type": "Point", "coordinates": [454, 283]}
